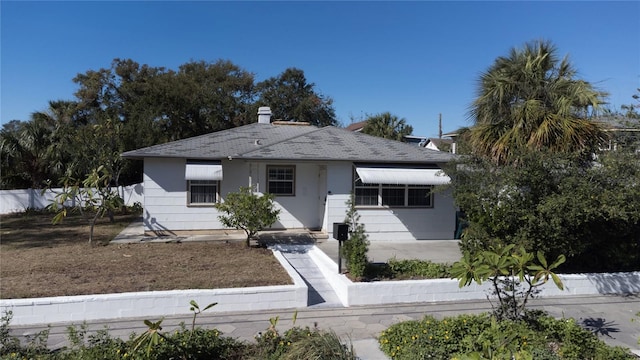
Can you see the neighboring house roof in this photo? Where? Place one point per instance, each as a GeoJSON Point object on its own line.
{"type": "Point", "coordinates": [291, 142]}
{"type": "Point", "coordinates": [357, 126]}
{"type": "Point", "coordinates": [440, 144]}
{"type": "Point", "coordinates": [618, 123]}
{"type": "Point", "coordinates": [412, 139]}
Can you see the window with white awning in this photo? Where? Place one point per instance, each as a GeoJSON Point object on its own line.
{"type": "Point", "coordinates": [202, 182]}
{"type": "Point", "coordinates": [203, 170]}
{"type": "Point", "coordinates": [401, 176]}
{"type": "Point", "coordinates": [396, 186]}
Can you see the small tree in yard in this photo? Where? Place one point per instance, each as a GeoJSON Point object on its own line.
{"type": "Point", "coordinates": [248, 211]}
{"type": "Point", "coordinates": [94, 194]}
{"type": "Point", "coordinates": [355, 249]}
{"type": "Point", "coordinates": [515, 275]}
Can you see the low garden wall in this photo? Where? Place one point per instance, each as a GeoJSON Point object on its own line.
{"type": "Point", "coordinates": [157, 303]}
{"type": "Point", "coordinates": [176, 302]}
{"type": "Point", "coordinates": [434, 290]}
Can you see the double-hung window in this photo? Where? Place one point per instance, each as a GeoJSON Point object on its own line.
{"type": "Point", "coordinates": [203, 192]}
{"type": "Point", "coordinates": [281, 180]}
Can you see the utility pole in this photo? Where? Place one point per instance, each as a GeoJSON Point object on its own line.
{"type": "Point", "coordinates": [440, 126]}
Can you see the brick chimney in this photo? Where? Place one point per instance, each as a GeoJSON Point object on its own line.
{"type": "Point", "coordinates": [264, 115]}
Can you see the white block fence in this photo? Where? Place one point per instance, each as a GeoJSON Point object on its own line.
{"type": "Point", "coordinates": [12, 201]}
{"type": "Point", "coordinates": [411, 291]}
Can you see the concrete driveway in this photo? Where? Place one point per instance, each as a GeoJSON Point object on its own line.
{"type": "Point", "coordinates": [439, 251]}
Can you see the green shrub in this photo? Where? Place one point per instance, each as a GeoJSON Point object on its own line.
{"type": "Point", "coordinates": [95, 346]}
{"type": "Point", "coordinates": [514, 273]}
{"type": "Point", "coordinates": [271, 345]}
{"type": "Point", "coordinates": [431, 338]}
{"type": "Point", "coordinates": [8, 344]}
{"type": "Point", "coordinates": [184, 343]}
{"type": "Point", "coordinates": [483, 337]}
{"type": "Point", "coordinates": [424, 269]}
{"type": "Point", "coordinates": [198, 344]}
{"type": "Point", "coordinates": [320, 345]}
{"type": "Point", "coordinates": [34, 347]}
{"type": "Point", "coordinates": [248, 211]}
{"type": "Point", "coordinates": [355, 249]}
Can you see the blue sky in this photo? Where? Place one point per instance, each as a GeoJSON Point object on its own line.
{"type": "Point", "coordinates": [414, 59]}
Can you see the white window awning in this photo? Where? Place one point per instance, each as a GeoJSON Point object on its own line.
{"type": "Point", "coordinates": [203, 170]}
{"type": "Point", "coordinates": [401, 176]}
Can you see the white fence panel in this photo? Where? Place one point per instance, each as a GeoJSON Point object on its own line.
{"type": "Point", "coordinates": [13, 201]}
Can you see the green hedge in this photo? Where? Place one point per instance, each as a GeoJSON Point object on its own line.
{"type": "Point", "coordinates": [183, 343]}
{"type": "Point", "coordinates": [413, 269]}
{"type": "Point", "coordinates": [482, 337]}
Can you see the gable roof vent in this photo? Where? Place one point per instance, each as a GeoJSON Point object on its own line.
{"type": "Point", "coordinates": [264, 115]}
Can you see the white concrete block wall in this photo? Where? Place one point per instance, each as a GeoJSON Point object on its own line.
{"type": "Point", "coordinates": [157, 303]}
{"type": "Point", "coordinates": [14, 201]}
{"type": "Point", "coordinates": [161, 303]}
{"type": "Point", "coordinates": [409, 291]}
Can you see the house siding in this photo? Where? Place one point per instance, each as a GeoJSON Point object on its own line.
{"type": "Point", "coordinates": [387, 224]}
{"type": "Point", "coordinates": [318, 201]}
{"type": "Point", "coordinates": [166, 199]}
{"type": "Point", "coordinates": [403, 224]}
{"type": "Point", "coordinates": [166, 195]}
{"type": "Point", "coordinates": [300, 210]}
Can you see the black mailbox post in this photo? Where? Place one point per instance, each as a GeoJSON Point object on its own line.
{"type": "Point", "coordinates": [340, 233]}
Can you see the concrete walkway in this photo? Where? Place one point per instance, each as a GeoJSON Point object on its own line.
{"type": "Point", "coordinates": [321, 293]}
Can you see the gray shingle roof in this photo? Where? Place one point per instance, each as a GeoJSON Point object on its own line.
{"type": "Point", "coordinates": [292, 142]}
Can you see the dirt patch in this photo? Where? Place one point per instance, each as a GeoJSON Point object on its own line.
{"type": "Point", "coordinates": [39, 259]}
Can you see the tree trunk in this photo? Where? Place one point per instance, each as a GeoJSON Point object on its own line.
{"type": "Point", "coordinates": [91, 226]}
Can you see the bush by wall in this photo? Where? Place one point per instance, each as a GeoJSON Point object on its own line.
{"type": "Point", "coordinates": [539, 336]}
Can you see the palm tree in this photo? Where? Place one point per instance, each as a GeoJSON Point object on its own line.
{"type": "Point", "coordinates": [530, 100]}
{"type": "Point", "coordinates": [24, 148]}
{"type": "Point", "coordinates": [387, 126]}
{"type": "Point", "coordinates": [61, 118]}
{"type": "Point", "coordinates": [39, 149]}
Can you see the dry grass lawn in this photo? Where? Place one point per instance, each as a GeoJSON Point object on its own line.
{"type": "Point", "coordinates": [38, 259]}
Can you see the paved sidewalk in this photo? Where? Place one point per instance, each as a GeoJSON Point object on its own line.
{"type": "Point", "coordinates": [607, 316]}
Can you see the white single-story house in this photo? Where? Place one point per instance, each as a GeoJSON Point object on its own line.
{"type": "Point", "coordinates": [312, 172]}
